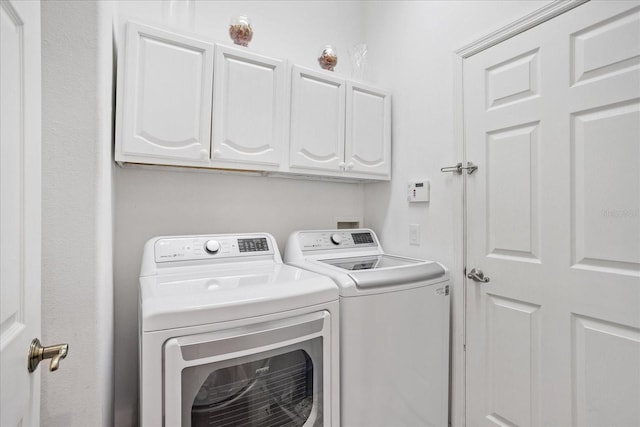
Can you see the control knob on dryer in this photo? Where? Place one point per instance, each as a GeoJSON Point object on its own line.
{"type": "Point", "coordinates": [212, 246]}
{"type": "Point", "coordinates": [336, 239]}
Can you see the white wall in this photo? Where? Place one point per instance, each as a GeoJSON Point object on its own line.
{"type": "Point", "coordinates": [413, 45]}
{"type": "Point", "coordinates": [77, 284]}
{"type": "Point", "coordinates": [159, 201]}
{"type": "Point", "coordinates": [410, 45]}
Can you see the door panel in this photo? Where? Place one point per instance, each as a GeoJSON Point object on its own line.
{"type": "Point", "coordinates": [368, 130]}
{"type": "Point", "coordinates": [605, 153]}
{"type": "Point", "coordinates": [514, 80]}
{"type": "Point", "coordinates": [602, 352]}
{"type": "Point", "coordinates": [552, 117]}
{"type": "Point", "coordinates": [249, 105]}
{"type": "Point", "coordinates": [596, 51]}
{"type": "Point", "coordinates": [512, 192]}
{"type": "Point", "coordinates": [513, 348]}
{"type": "Point", "coordinates": [20, 201]}
{"type": "Point", "coordinates": [317, 120]}
{"type": "Point", "coordinates": [166, 81]}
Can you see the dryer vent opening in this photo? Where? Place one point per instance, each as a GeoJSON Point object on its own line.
{"type": "Point", "coordinates": [344, 225]}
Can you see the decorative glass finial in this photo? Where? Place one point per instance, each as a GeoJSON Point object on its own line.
{"type": "Point", "coordinates": [240, 30]}
{"type": "Point", "coordinates": [328, 58]}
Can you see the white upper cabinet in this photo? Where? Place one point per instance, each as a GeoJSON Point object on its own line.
{"type": "Point", "coordinates": [339, 127]}
{"type": "Point", "coordinates": [164, 97]}
{"type": "Point", "coordinates": [184, 101]}
{"type": "Point", "coordinates": [317, 121]}
{"type": "Point", "coordinates": [368, 130]}
{"type": "Point", "coordinates": [248, 109]}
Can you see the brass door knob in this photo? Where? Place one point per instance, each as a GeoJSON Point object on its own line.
{"type": "Point", "coordinates": [37, 353]}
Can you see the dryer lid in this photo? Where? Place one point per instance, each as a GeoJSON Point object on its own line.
{"type": "Point", "coordinates": [238, 292]}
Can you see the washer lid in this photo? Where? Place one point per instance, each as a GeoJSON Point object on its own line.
{"type": "Point", "coordinates": [386, 270]}
{"type": "Point", "coordinates": [238, 292]}
{"type": "Point", "coordinates": [370, 262]}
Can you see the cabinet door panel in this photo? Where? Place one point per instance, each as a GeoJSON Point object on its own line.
{"type": "Point", "coordinates": [166, 97]}
{"type": "Point", "coordinates": [249, 105]}
{"type": "Point", "coordinates": [317, 121]}
{"type": "Point", "coordinates": [368, 130]}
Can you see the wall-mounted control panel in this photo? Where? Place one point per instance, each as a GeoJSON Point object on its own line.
{"type": "Point", "coordinates": [418, 191]}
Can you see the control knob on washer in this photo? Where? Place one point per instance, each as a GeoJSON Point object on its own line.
{"type": "Point", "coordinates": [212, 246]}
{"type": "Point", "coordinates": [336, 239]}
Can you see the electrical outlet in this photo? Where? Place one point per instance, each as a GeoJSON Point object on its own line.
{"type": "Point", "coordinates": [414, 234]}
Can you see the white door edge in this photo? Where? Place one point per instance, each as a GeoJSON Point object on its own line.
{"type": "Point", "coordinates": [21, 216]}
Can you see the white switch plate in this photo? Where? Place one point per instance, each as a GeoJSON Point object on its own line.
{"type": "Point", "coordinates": [414, 234]}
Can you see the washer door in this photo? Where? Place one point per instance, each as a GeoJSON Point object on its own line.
{"type": "Point", "coordinates": [271, 374]}
{"type": "Point", "coordinates": [272, 391]}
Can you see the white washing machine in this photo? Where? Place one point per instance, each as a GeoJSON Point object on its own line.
{"type": "Point", "coordinates": [394, 328]}
{"type": "Point", "coordinates": [229, 335]}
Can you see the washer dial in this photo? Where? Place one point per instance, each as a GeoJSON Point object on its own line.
{"type": "Point", "coordinates": [212, 246]}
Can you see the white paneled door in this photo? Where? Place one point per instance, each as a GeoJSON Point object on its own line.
{"type": "Point", "coordinates": [552, 118]}
{"type": "Point", "coordinates": [20, 106]}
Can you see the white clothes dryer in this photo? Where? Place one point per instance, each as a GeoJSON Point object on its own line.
{"type": "Point", "coordinates": [229, 335]}
{"type": "Point", "coordinates": [394, 328]}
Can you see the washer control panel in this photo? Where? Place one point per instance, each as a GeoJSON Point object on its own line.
{"type": "Point", "coordinates": [210, 247]}
{"type": "Point", "coordinates": [316, 240]}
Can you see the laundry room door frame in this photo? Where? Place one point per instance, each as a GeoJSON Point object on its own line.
{"type": "Point", "coordinates": [458, 329]}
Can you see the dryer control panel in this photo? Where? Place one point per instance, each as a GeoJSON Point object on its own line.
{"type": "Point", "coordinates": [334, 239]}
{"type": "Point", "coordinates": [190, 248]}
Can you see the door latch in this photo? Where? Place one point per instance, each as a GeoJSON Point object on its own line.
{"type": "Point", "coordinates": [458, 168]}
{"type": "Point", "coordinates": [477, 276]}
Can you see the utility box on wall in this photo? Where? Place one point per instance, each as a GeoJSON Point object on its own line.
{"type": "Point", "coordinates": [418, 191]}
